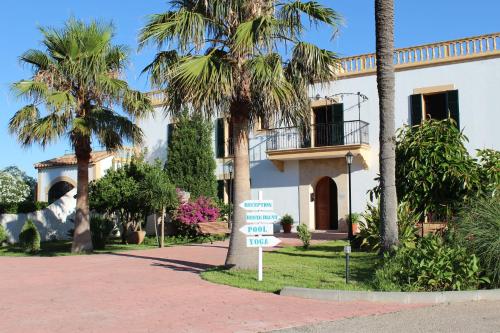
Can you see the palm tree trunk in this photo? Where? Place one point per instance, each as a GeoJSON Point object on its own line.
{"type": "Point", "coordinates": [384, 24]}
{"type": "Point", "coordinates": [239, 256]}
{"type": "Point", "coordinates": [82, 241]}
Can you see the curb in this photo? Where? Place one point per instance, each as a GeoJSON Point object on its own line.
{"type": "Point", "coordinates": [396, 297]}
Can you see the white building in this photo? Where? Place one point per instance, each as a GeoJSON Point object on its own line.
{"type": "Point", "coordinates": [307, 177]}
{"type": "Point", "coordinates": [58, 176]}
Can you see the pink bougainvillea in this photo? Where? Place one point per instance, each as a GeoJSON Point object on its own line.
{"type": "Point", "coordinates": [202, 209]}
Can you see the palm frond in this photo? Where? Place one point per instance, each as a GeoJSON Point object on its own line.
{"type": "Point", "coordinates": [291, 15]}
{"type": "Point", "coordinates": [136, 104]}
{"type": "Point", "coordinates": [311, 64]}
{"type": "Point", "coordinates": [161, 65]}
{"type": "Point", "coordinates": [255, 33]}
{"type": "Point", "coordinates": [184, 27]}
{"type": "Point", "coordinates": [203, 82]}
{"type": "Point", "coordinates": [37, 59]}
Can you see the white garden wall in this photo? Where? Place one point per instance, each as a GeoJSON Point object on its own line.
{"type": "Point", "coordinates": [52, 222]}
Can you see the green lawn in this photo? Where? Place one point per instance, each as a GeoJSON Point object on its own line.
{"type": "Point", "coordinates": [63, 247]}
{"type": "Point", "coordinates": [322, 266]}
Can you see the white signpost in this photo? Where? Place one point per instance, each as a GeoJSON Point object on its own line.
{"type": "Point", "coordinates": [260, 224]}
{"type": "Point", "coordinates": [257, 229]}
{"type": "Point", "coordinates": [262, 217]}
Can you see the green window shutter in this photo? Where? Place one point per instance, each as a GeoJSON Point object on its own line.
{"type": "Point", "coordinates": [220, 136]}
{"type": "Point", "coordinates": [416, 109]}
{"type": "Point", "coordinates": [220, 189]}
{"type": "Point", "coordinates": [338, 124]}
{"type": "Point", "coordinates": [452, 102]}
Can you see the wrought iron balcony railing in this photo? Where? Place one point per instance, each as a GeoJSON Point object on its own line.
{"type": "Point", "coordinates": [320, 135]}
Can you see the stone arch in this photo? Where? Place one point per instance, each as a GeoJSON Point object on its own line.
{"type": "Point", "coordinates": [58, 180]}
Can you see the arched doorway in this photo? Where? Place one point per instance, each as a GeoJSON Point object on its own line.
{"type": "Point", "coordinates": [326, 205]}
{"type": "Point", "coordinates": [58, 190]}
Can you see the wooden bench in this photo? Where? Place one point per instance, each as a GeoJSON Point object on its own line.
{"type": "Point", "coordinates": [209, 229]}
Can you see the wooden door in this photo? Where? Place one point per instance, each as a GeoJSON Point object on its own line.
{"type": "Point", "coordinates": [326, 204]}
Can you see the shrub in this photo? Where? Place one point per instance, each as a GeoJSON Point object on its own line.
{"type": "Point", "coordinates": [304, 235]}
{"type": "Point", "coordinates": [286, 219]}
{"type": "Point", "coordinates": [3, 235]}
{"type": "Point", "coordinates": [23, 207]}
{"type": "Point", "coordinates": [478, 229]}
{"type": "Point", "coordinates": [29, 237]}
{"type": "Point", "coordinates": [369, 235]}
{"type": "Point", "coordinates": [432, 265]}
{"type": "Point", "coordinates": [202, 209]}
{"type": "Point", "coordinates": [100, 229]}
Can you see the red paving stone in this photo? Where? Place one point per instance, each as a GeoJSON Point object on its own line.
{"type": "Point", "coordinates": [155, 290]}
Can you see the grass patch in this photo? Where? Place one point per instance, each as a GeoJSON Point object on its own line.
{"type": "Point", "coordinates": [321, 266]}
{"type": "Point", "coordinates": [63, 247]}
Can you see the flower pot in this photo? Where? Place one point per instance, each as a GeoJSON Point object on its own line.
{"type": "Point", "coordinates": [136, 237]}
{"type": "Point", "coordinates": [355, 228]}
{"type": "Point", "coordinates": [287, 228]}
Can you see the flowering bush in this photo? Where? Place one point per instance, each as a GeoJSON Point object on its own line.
{"type": "Point", "coordinates": [202, 209]}
{"type": "Point", "coordinates": [12, 189]}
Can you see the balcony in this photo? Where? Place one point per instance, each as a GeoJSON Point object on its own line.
{"type": "Point", "coordinates": [320, 142]}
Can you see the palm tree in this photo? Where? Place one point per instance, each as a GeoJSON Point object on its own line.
{"type": "Point", "coordinates": [76, 80]}
{"type": "Point", "coordinates": [384, 23]}
{"type": "Point", "coordinates": [222, 57]}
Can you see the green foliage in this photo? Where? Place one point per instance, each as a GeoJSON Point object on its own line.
{"type": "Point", "coordinates": [432, 265]}
{"type": "Point", "coordinates": [23, 207]}
{"type": "Point", "coordinates": [205, 54]}
{"type": "Point", "coordinates": [132, 193]}
{"type": "Point", "coordinates": [76, 78]}
{"type": "Point", "coordinates": [369, 235]}
{"type": "Point", "coordinates": [100, 229]}
{"type": "Point", "coordinates": [30, 181]}
{"type": "Point", "coordinates": [435, 173]}
{"type": "Point", "coordinates": [286, 219]}
{"type": "Point", "coordinates": [190, 159]}
{"type": "Point", "coordinates": [489, 171]}
{"type": "Point", "coordinates": [29, 237]}
{"type": "Point", "coordinates": [3, 235]}
{"type": "Point", "coordinates": [304, 235]}
{"type": "Point", "coordinates": [478, 228]}
{"type": "Point", "coordinates": [13, 189]}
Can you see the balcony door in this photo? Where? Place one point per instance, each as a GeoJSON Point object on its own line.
{"type": "Point", "coordinates": [329, 125]}
{"type": "Point", "coordinates": [326, 204]}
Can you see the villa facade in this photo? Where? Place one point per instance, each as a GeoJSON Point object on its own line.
{"type": "Point", "coordinates": [306, 175]}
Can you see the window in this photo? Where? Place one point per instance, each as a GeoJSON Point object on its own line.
{"type": "Point", "coordinates": [329, 124]}
{"type": "Point", "coordinates": [439, 105]}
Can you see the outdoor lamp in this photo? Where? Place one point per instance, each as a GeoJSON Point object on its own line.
{"type": "Point", "coordinates": [349, 157]}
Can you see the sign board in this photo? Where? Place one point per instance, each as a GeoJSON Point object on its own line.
{"type": "Point", "coordinates": [262, 241]}
{"type": "Point", "coordinates": [262, 217]}
{"type": "Point", "coordinates": [257, 205]}
{"type": "Point", "coordinates": [257, 229]}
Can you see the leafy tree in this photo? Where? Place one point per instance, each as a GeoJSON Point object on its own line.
{"type": "Point", "coordinates": [158, 192]}
{"type": "Point", "coordinates": [76, 77]}
{"type": "Point", "coordinates": [489, 171]}
{"type": "Point", "coordinates": [132, 193]}
{"type": "Point", "coordinates": [435, 173]}
{"type": "Point", "coordinates": [190, 160]}
{"type": "Point", "coordinates": [30, 181]}
{"type": "Point", "coordinates": [13, 189]}
{"type": "Point", "coordinates": [384, 30]}
{"type": "Point", "coordinates": [223, 57]}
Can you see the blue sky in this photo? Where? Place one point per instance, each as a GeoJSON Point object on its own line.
{"type": "Point", "coordinates": [417, 22]}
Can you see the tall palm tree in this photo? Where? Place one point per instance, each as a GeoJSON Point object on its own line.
{"type": "Point", "coordinates": [384, 26]}
{"type": "Point", "coordinates": [75, 85]}
{"type": "Point", "coordinates": [224, 57]}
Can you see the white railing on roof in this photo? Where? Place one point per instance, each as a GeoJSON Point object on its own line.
{"type": "Point", "coordinates": [459, 49]}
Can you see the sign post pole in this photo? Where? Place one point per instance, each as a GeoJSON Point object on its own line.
{"type": "Point", "coordinates": [260, 249]}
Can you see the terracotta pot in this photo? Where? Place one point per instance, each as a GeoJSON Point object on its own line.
{"type": "Point", "coordinates": [287, 228]}
{"type": "Point", "coordinates": [355, 228]}
{"type": "Point", "coordinates": [136, 237]}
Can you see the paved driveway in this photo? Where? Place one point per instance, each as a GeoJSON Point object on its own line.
{"type": "Point", "coordinates": [155, 290]}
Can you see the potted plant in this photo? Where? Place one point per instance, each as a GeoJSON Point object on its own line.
{"type": "Point", "coordinates": [355, 222]}
{"type": "Point", "coordinates": [287, 222]}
